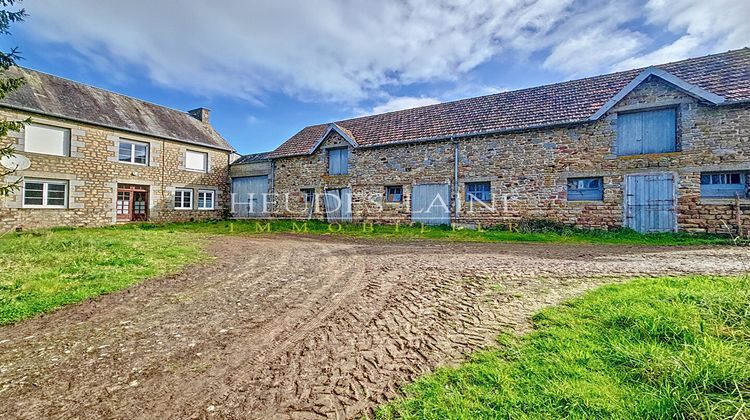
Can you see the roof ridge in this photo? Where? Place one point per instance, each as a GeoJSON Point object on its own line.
{"type": "Point", "coordinates": [105, 90]}
{"type": "Point", "coordinates": [547, 85]}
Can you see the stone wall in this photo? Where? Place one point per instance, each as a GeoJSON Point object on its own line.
{"type": "Point", "coordinates": [528, 171]}
{"type": "Point", "coordinates": [93, 172]}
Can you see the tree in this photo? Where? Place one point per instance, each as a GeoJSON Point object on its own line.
{"type": "Point", "coordinates": [7, 85]}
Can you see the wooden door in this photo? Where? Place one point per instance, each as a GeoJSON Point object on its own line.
{"type": "Point", "coordinates": [132, 203]}
{"type": "Point", "coordinates": [649, 203]}
{"type": "Point", "coordinates": [430, 204]}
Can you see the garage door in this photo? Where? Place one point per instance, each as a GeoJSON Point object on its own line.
{"type": "Point", "coordinates": [649, 203]}
{"type": "Point", "coordinates": [430, 204]}
{"type": "Point", "coordinates": [248, 195]}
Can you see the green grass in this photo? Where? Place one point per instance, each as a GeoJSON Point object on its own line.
{"type": "Point", "coordinates": [534, 233]}
{"type": "Point", "coordinates": [650, 348]}
{"type": "Point", "coordinates": [43, 270]}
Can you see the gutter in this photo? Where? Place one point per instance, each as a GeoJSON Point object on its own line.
{"type": "Point", "coordinates": [456, 203]}
{"type": "Point", "coordinates": [128, 130]}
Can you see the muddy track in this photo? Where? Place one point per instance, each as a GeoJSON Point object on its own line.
{"type": "Point", "coordinates": [302, 327]}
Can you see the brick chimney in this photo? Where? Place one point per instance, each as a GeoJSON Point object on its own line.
{"type": "Point", "coordinates": [200, 114]}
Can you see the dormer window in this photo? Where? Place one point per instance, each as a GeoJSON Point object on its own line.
{"type": "Point", "coordinates": [642, 132]}
{"type": "Point", "coordinates": [338, 161]}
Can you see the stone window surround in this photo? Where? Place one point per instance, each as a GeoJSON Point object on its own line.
{"type": "Point", "coordinates": [15, 201]}
{"type": "Point", "coordinates": [154, 149]}
{"type": "Point", "coordinates": [76, 136]}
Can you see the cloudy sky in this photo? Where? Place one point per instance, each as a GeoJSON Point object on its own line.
{"type": "Point", "coordinates": [268, 68]}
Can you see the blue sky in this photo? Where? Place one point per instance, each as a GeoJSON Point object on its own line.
{"type": "Point", "coordinates": [267, 69]}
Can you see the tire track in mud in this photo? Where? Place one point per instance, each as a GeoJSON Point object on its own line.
{"type": "Point", "coordinates": [302, 327]}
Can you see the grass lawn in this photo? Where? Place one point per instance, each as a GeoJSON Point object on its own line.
{"type": "Point", "coordinates": [650, 348]}
{"type": "Point", "coordinates": [45, 269]}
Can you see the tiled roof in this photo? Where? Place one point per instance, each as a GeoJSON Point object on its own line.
{"type": "Point", "coordinates": [55, 96]}
{"type": "Point", "coordinates": [251, 158]}
{"type": "Point", "coordinates": [726, 74]}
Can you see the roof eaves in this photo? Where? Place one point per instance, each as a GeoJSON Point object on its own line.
{"type": "Point", "coordinates": [129, 130]}
{"type": "Point", "coordinates": [691, 89]}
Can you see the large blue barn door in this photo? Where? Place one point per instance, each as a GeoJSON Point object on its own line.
{"type": "Point", "coordinates": [649, 203]}
{"type": "Point", "coordinates": [248, 196]}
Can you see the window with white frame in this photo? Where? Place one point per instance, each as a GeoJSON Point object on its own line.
{"type": "Point", "coordinates": [196, 161]}
{"type": "Point", "coordinates": [183, 199]}
{"type": "Point", "coordinates": [133, 152]}
{"type": "Point", "coordinates": [47, 139]}
{"type": "Point", "coordinates": [45, 193]}
{"type": "Point", "coordinates": [206, 199]}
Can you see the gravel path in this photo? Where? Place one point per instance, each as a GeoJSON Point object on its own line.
{"type": "Point", "coordinates": [302, 327]}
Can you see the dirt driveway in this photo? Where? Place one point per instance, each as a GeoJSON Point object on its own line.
{"type": "Point", "coordinates": [301, 327]}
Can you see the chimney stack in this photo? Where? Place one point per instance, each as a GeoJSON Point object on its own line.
{"type": "Point", "coordinates": [200, 114]}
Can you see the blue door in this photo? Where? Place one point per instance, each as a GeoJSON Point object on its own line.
{"type": "Point", "coordinates": [650, 203]}
{"type": "Point", "coordinates": [338, 204]}
{"type": "Point", "coordinates": [430, 204]}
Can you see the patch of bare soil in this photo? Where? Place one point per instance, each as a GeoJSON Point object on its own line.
{"type": "Point", "coordinates": [302, 327]}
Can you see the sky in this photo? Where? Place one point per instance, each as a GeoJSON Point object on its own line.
{"type": "Point", "coordinates": [266, 69]}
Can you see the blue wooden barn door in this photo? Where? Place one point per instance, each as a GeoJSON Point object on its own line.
{"type": "Point", "coordinates": [338, 204]}
{"type": "Point", "coordinates": [430, 204]}
{"type": "Point", "coordinates": [650, 203]}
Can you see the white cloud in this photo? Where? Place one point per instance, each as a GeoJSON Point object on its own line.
{"type": "Point", "coordinates": [402, 102]}
{"type": "Point", "coordinates": [350, 51]}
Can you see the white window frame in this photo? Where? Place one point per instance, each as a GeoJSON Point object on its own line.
{"type": "Point", "coordinates": [205, 161]}
{"type": "Point", "coordinates": [213, 199]}
{"type": "Point", "coordinates": [45, 190]}
{"type": "Point", "coordinates": [132, 144]}
{"type": "Point", "coordinates": [66, 139]}
{"type": "Point", "coordinates": [183, 190]}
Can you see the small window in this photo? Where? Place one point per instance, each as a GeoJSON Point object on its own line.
{"type": "Point", "coordinates": [47, 139]}
{"type": "Point", "coordinates": [183, 199]}
{"type": "Point", "coordinates": [196, 161]}
{"type": "Point", "coordinates": [338, 161]}
{"type": "Point", "coordinates": [478, 191]}
{"type": "Point", "coordinates": [206, 199]}
{"type": "Point", "coordinates": [309, 196]}
{"type": "Point", "coordinates": [52, 194]}
{"type": "Point", "coordinates": [724, 184]}
{"type": "Point", "coordinates": [133, 152]}
{"type": "Point", "coordinates": [653, 131]}
{"type": "Point", "coordinates": [585, 189]}
{"type": "Point", "coordinates": [394, 194]}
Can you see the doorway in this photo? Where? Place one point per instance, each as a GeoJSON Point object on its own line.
{"type": "Point", "coordinates": [132, 203]}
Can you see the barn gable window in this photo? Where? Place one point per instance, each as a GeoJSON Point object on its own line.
{"type": "Point", "coordinates": [338, 161]}
{"type": "Point", "coordinates": [653, 131]}
{"type": "Point", "coordinates": [724, 184]}
{"type": "Point", "coordinates": [585, 189]}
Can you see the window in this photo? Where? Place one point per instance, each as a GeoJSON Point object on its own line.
{"type": "Point", "coordinates": [309, 196]}
{"type": "Point", "coordinates": [647, 132]}
{"type": "Point", "coordinates": [206, 199]}
{"type": "Point", "coordinates": [183, 199]}
{"type": "Point", "coordinates": [133, 152]}
{"type": "Point", "coordinates": [585, 189]}
{"type": "Point", "coordinates": [338, 161]}
{"type": "Point", "coordinates": [52, 194]}
{"type": "Point", "coordinates": [47, 139]}
{"type": "Point", "coordinates": [724, 184]}
{"type": "Point", "coordinates": [394, 194]}
{"type": "Point", "coordinates": [196, 161]}
{"type": "Point", "coordinates": [478, 191]}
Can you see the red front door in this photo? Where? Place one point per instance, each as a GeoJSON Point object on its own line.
{"type": "Point", "coordinates": [132, 202]}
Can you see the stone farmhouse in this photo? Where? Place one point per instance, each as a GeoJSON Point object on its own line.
{"type": "Point", "coordinates": [99, 158]}
{"type": "Point", "coordinates": [663, 148]}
